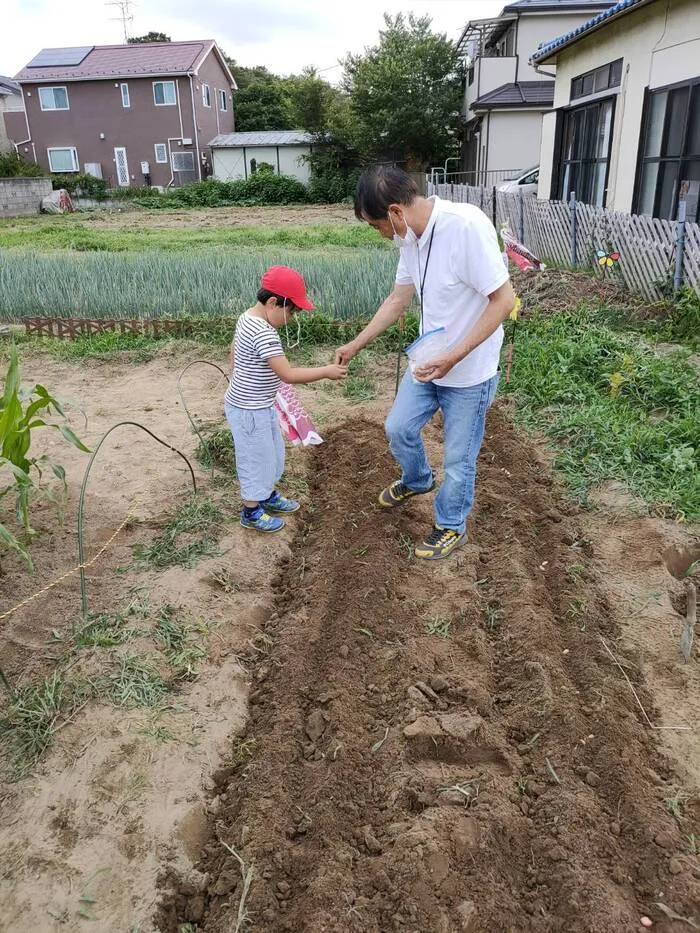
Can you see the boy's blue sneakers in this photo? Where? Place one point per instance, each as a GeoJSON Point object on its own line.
{"type": "Point", "coordinates": [259, 520]}
{"type": "Point", "coordinates": [279, 503]}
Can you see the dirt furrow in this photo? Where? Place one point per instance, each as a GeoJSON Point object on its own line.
{"type": "Point", "coordinates": [441, 747]}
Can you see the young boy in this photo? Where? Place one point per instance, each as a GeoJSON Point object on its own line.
{"type": "Point", "coordinates": [259, 366]}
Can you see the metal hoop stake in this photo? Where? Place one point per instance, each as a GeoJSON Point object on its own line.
{"type": "Point", "coordinates": [81, 500]}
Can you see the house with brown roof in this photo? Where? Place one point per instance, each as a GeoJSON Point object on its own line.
{"type": "Point", "coordinates": [131, 114]}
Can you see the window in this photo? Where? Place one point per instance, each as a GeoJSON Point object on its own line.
{"type": "Point", "coordinates": [670, 151]}
{"type": "Point", "coordinates": [64, 159]}
{"type": "Point", "coordinates": [206, 95]}
{"type": "Point", "coordinates": [164, 93]}
{"type": "Point", "coordinates": [600, 79]}
{"type": "Point", "coordinates": [53, 98]}
{"type": "Point", "coordinates": [183, 161]}
{"type": "Point", "coordinates": [223, 101]}
{"type": "Point", "coordinates": [125, 95]}
{"type": "Point", "coordinates": [585, 152]}
{"type": "Point", "coordinates": [161, 151]}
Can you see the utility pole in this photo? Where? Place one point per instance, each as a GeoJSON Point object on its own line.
{"type": "Point", "coordinates": [125, 15]}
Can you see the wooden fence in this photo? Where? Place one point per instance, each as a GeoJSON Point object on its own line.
{"type": "Point", "coordinates": [573, 234]}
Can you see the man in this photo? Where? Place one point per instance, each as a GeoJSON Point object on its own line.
{"type": "Point", "coordinates": [450, 259]}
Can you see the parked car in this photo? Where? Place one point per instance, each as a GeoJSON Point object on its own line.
{"type": "Point", "coordinates": [527, 182]}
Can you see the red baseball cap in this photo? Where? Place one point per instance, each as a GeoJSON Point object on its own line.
{"type": "Point", "coordinates": [287, 283]}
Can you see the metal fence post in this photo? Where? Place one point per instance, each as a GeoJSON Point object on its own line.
{"type": "Point", "coordinates": [521, 217]}
{"type": "Point", "coordinates": [680, 248]}
{"type": "Point", "coordinates": [574, 229]}
{"type": "Point", "coordinates": [493, 205]}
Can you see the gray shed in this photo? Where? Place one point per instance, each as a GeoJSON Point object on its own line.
{"type": "Point", "coordinates": [238, 155]}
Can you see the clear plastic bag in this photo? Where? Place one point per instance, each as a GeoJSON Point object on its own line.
{"type": "Point", "coordinates": [426, 348]}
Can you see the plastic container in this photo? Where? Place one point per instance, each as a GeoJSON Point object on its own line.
{"type": "Point", "coordinates": [426, 348]}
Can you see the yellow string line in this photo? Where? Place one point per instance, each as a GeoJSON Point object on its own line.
{"type": "Point", "coordinates": [69, 573]}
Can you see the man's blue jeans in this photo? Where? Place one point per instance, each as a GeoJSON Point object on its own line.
{"type": "Point", "coordinates": [464, 414]}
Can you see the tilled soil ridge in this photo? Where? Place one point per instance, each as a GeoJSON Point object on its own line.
{"type": "Point", "coordinates": [439, 747]}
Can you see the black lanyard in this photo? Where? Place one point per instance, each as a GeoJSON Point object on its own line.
{"type": "Point", "coordinates": [425, 272]}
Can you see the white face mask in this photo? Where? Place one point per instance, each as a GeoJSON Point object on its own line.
{"type": "Point", "coordinates": [400, 242]}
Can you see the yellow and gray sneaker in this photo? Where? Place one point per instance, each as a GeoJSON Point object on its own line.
{"type": "Point", "coordinates": [398, 493]}
{"type": "Point", "coordinates": [440, 543]}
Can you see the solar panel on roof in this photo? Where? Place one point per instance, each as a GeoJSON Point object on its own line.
{"type": "Point", "coordinates": [60, 57]}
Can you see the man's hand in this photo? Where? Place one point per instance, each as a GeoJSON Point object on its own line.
{"type": "Point", "coordinates": [343, 355]}
{"type": "Point", "coordinates": [436, 368]}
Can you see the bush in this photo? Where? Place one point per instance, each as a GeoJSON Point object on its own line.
{"type": "Point", "coordinates": [333, 187]}
{"type": "Point", "coordinates": [86, 186]}
{"type": "Point", "coordinates": [14, 166]}
{"type": "Point", "coordinates": [260, 188]}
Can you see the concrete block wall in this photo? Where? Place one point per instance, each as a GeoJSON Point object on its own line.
{"type": "Point", "coordinates": [20, 196]}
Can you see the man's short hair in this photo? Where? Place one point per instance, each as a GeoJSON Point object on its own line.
{"type": "Point", "coordinates": [381, 186]}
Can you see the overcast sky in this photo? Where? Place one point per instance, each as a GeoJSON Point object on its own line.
{"type": "Point", "coordinates": [281, 35]}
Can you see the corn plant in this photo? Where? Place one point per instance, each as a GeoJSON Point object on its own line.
{"type": "Point", "coordinates": [22, 410]}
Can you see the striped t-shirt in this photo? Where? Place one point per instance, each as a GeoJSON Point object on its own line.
{"type": "Point", "coordinates": [253, 383]}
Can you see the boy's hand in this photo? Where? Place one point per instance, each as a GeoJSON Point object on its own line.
{"type": "Point", "coordinates": [336, 371]}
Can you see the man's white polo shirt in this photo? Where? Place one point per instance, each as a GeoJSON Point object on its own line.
{"type": "Point", "coordinates": [465, 266]}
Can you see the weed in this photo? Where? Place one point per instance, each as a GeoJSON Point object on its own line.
{"type": "Point", "coordinates": [675, 804]}
{"type": "Point", "coordinates": [136, 682]}
{"type": "Point", "coordinates": [224, 579]}
{"type": "Point", "coordinates": [600, 389]}
{"type": "Point", "coordinates": [578, 611]}
{"type": "Point", "coordinates": [438, 626]}
{"type": "Point", "coordinates": [183, 649]}
{"type": "Point", "coordinates": [197, 519]}
{"type": "Point", "coordinates": [407, 544]}
{"type": "Point", "coordinates": [217, 450]}
{"type": "Point", "coordinates": [243, 751]}
{"type": "Point", "coordinates": [157, 731]}
{"type": "Point", "coordinates": [575, 572]}
{"type": "Point", "coordinates": [34, 713]}
{"type": "Point", "coordinates": [493, 616]}
{"type": "Point", "coordinates": [107, 629]}
{"type": "Point", "coordinates": [693, 847]}
{"type": "Point", "coordinates": [359, 389]}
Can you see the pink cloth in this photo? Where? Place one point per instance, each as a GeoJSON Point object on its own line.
{"type": "Point", "coordinates": [296, 425]}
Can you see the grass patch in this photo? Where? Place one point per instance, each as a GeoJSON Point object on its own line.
{"type": "Point", "coordinates": [189, 535]}
{"type": "Point", "coordinates": [359, 389]}
{"type": "Point", "coordinates": [32, 716]}
{"type": "Point", "coordinates": [78, 233]}
{"type": "Point", "coordinates": [618, 410]}
{"type": "Point", "coordinates": [107, 629]}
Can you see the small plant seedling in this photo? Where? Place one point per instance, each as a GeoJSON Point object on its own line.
{"type": "Point", "coordinates": [223, 578]}
{"type": "Point", "coordinates": [407, 544]}
{"type": "Point", "coordinates": [493, 616]}
{"type": "Point", "coordinates": [575, 572]}
{"type": "Point", "coordinates": [578, 611]}
{"type": "Point", "coordinates": [438, 626]}
{"type": "Point", "coordinates": [674, 804]}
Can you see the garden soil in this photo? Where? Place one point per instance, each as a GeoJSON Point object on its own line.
{"type": "Point", "coordinates": [503, 742]}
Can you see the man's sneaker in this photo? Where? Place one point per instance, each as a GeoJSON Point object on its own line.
{"type": "Point", "coordinates": [279, 503]}
{"type": "Point", "coordinates": [441, 543]}
{"type": "Point", "coordinates": [261, 521]}
{"type": "Point", "coordinates": [398, 493]}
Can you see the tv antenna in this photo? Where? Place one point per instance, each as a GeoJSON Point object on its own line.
{"type": "Point", "coordinates": [125, 15]}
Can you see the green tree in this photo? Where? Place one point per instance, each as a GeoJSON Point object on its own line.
{"type": "Point", "coordinates": [310, 99]}
{"type": "Point", "coordinates": [406, 92]}
{"type": "Point", "coordinates": [262, 105]}
{"type": "Point", "coordinates": [149, 37]}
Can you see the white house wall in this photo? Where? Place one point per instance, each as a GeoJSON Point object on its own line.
{"type": "Point", "coordinates": [660, 45]}
{"type": "Point", "coordinates": [230, 164]}
{"type": "Point", "coordinates": [537, 29]}
{"type": "Point", "coordinates": [513, 139]}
